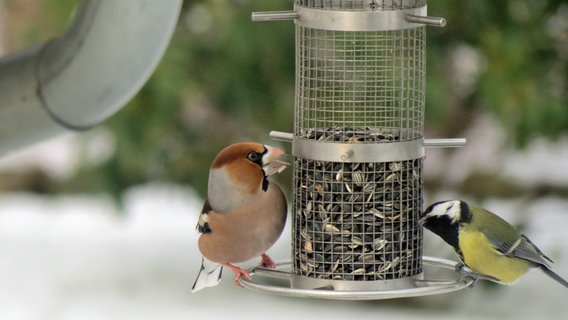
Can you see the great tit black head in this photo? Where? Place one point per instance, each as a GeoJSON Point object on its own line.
{"type": "Point", "coordinates": [444, 217]}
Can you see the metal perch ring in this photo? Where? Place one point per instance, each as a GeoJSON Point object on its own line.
{"type": "Point", "coordinates": [261, 282]}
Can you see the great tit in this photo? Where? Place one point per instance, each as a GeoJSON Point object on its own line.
{"type": "Point", "coordinates": [485, 243]}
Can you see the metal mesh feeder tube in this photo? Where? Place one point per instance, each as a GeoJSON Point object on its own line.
{"type": "Point", "coordinates": [358, 147]}
{"type": "Point", "coordinates": [358, 127]}
{"type": "Point", "coordinates": [352, 229]}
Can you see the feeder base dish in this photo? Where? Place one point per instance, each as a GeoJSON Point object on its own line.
{"type": "Point", "coordinates": [277, 281]}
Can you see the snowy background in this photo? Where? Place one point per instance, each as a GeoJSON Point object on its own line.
{"type": "Point", "coordinates": [81, 257]}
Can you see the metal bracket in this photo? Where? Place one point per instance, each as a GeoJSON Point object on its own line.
{"type": "Point", "coordinates": [429, 21]}
{"type": "Point", "coordinates": [274, 15]}
{"type": "Point", "coordinates": [353, 20]}
{"type": "Point", "coordinates": [427, 143]}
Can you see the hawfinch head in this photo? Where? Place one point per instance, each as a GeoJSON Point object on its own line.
{"type": "Point", "coordinates": [240, 171]}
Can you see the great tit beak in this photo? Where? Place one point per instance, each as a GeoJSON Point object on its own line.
{"type": "Point", "coordinates": [270, 164]}
{"type": "Point", "coordinates": [422, 220]}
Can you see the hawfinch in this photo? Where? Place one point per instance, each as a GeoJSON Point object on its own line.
{"type": "Point", "coordinates": [244, 212]}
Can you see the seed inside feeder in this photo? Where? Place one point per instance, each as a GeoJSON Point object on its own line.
{"type": "Point", "coordinates": [357, 221]}
{"type": "Point", "coordinates": [350, 135]}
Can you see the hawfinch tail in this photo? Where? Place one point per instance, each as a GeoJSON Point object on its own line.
{"type": "Point", "coordinates": [244, 213]}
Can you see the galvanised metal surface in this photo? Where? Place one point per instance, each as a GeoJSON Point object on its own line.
{"type": "Point", "coordinates": [356, 209]}
{"type": "Point", "coordinates": [361, 5]}
{"type": "Point", "coordinates": [81, 78]}
{"type": "Point", "coordinates": [358, 143]}
{"type": "Point", "coordinates": [277, 281]}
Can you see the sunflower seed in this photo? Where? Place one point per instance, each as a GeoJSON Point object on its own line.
{"type": "Point", "coordinates": [379, 244]}
{"type": "Point", "coordinates": [359, 271]}
{"type": "Point", "coordinates": [369, 187]}
{"type": "Point", "coordinates": [358, 178]}
{"type": "Point", "coordinates": [395, 166]}
{"type": "Point", "coordinates": [308, 248]}
{"type": "Point", "coordinates": [331, 229]}
{"type": "Point", "coordinates": [356, 221]}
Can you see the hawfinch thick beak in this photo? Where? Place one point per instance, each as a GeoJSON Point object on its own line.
{"type": "Point", "coordinates": [270, 164]}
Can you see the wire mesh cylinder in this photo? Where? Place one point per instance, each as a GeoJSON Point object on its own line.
{"type": "Point", "coordinates": [355, 218]}
{"type": "Point", "coordinates": [361, 4]}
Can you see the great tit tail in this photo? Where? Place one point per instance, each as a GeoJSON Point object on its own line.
{"type": "Point", "coordinates": [554, 276]}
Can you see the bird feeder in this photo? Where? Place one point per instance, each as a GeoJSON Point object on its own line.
{"type": "Point", "coordinates": [358, 147]}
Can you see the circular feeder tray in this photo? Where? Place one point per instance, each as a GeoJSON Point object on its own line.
{"type": "Point", "coordinates": [277, 281]}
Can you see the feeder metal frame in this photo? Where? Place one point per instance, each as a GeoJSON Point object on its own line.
{"type": "Point", "coordinates": [358, 130]}
{"type": "Point", "coordinates": [261, 276]}
{"type": "Point", "coordinates": [359, 147]}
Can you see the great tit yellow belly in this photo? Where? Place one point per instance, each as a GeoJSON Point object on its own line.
{"type": "Point", "coordinates": [485, 243]}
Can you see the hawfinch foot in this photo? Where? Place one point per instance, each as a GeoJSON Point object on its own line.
{"type": "Point", "coordinates": [238, 273]}
{"type": "Point", "coordinates": [267, 262]}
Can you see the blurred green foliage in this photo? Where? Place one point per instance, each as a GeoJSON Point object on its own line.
{"type": "Point", "coordinates": [225, 78]}
{"type": "Point", "coordinates": [523, 81]}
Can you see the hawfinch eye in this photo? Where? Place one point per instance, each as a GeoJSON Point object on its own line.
{"type": "Point", "coordinates": [253, 156]}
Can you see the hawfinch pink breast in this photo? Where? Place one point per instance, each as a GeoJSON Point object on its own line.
{"type": "Point", "coordinates": [244, 213]}
{"type": "Point", "coordinates": [246, 232]}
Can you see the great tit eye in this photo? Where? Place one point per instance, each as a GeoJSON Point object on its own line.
{"type": "Point", "coordinates": [253, 156]}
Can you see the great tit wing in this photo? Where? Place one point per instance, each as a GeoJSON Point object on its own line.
{"type": "Point", "coordinates": [529, 251]}
{"type": "Point", "coordinates": [504, 247]}
{"type": "Point", "coordinates": [502, 235]}
{"type": "Point", "coordinates": [507, 240]}
{"type": "Point", "coordinates": [521, 248]}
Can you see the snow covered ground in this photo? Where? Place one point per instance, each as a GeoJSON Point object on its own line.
{"type": "Point", "coordinates": [77, 258]}
{"type": "Point", "coordinates": [80, 257]}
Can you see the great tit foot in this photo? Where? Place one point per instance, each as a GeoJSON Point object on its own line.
{"type": "Point", "coordinates": [468, 275]}
{"type": "Point", "coordinates": [459, 268]}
